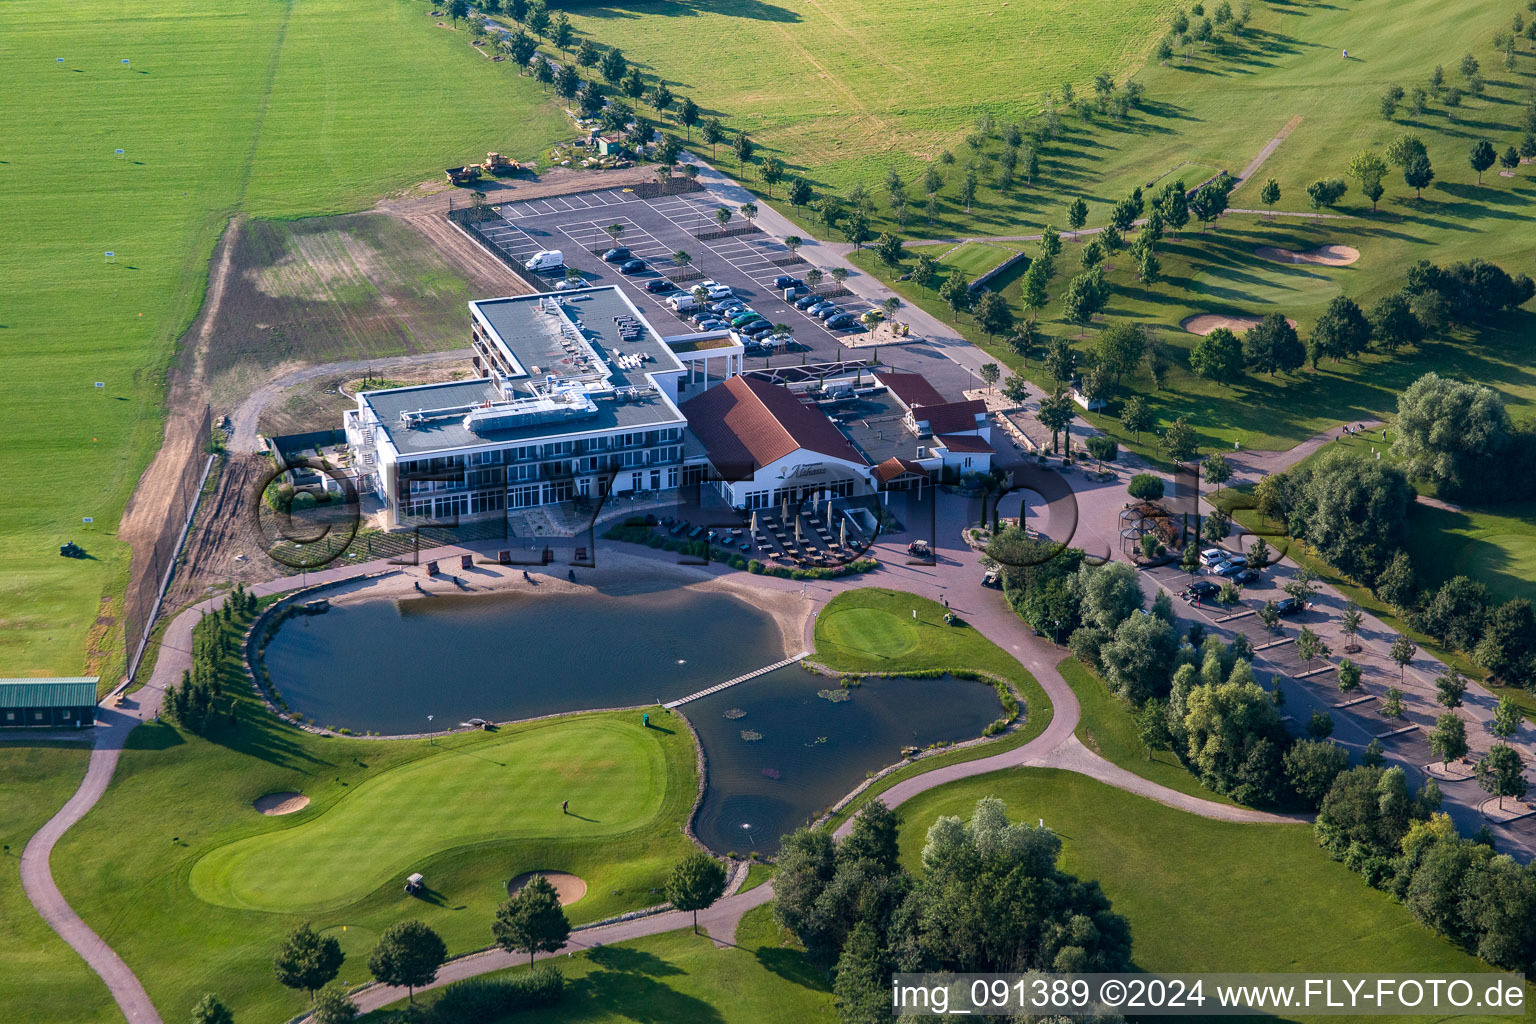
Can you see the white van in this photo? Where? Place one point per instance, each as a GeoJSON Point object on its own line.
{"type": "Point", "coordinates": [683, 302]}
{"type": "Point", "coordinates": [548, 259]}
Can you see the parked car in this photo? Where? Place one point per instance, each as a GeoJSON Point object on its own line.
{"type": "Point", "coordinates": [828, 311]}
{"type": "Point", "coordinates": [682, 302]}
{"type": "Point", "coordinates": [807, 301]}
{"type": "Point", "coordinates": [758, 329]}
{"type": "Point", "coordinates": [1226, 570]}
{"type": "Point", "coordinates": [568, 284]}
{"type": "Point", "coordinates": [547, 259]}
{"type": "Point", "coordinates": [713, 325]}
{"type": "Point", "coordinates": [1290, 606]}
{"type": "Point", "coordinates": [1248, 576]}
{"type": "Point", "coordinates": [815, 309]}
{"type": "Point", "coordinates": [1212, 556]}
{"type": "Point", "coordinates": [842, 321]}
{"type": "Point", "coordinates": [618, 254]}
{"type": "Point", "coordinates": [633, 266]}
{"type": "Point", "coordinates": [992, 578]}
{"type": "Point", "coordinates": [1201, 589]}
{"type": "Point", "coordinates": [660, 286]}
{"type": "Point", "coordinates": [716, 290]}
{"type": "Point", "coordinates": [783, 281]}
{"type": "Point", "coordinates": [746, 317]}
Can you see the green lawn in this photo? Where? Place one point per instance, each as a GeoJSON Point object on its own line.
{"type": "Point", "coordinates": [1108, 729]}
{"type": "Point", "coordinates": [37, 965]}
{"type": "Point", "coordinates": [1204, 895]}
{"type": "Point", "coordinates": [194, 888]}
{"type": "Point", "coordinates": [681, 977]}
{"type": "Point", "coordinates": [275, 108]}
{"type": "Point", "coordinates": [873, 630]}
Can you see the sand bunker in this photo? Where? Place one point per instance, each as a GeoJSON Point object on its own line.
{"type": "Point", "coordinates": [1205, 323]}
{"type": "Point", "coordinates": [281, 803]}
{"type": "Point", "coordinates": [568, 887]}
{"type": "Point", "coordinates": [1323, 255]}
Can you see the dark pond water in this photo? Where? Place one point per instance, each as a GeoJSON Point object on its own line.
{"type": "Point", "coordinates": [384, 666]}
{"type": "Point", "coordinates": [812, 751]}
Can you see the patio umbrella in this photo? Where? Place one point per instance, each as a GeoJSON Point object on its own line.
{"type": "Point", "coordinates": [797, 529]}
{"type": "Point", "coordinates": [754, 522]}
{"type": "Point", "coordinates": [842, 533]}
{"type": "Point", "coordinates": [784, 507]}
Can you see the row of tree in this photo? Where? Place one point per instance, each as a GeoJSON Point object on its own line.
{"type": "Point", "coordinates": [1459, 887]}
{"type": "Point", "coordinates": [196, 703]}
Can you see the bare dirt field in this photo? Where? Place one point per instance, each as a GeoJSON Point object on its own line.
{"type": "Point", "coordinates": [1205, 323]}
{"type": "Point", "coordinates": [1322, 256]}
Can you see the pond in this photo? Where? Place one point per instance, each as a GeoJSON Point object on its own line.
{"type": "Point", "coordinates": [779, 754]}
{"type": "Point", "coordinates": [384, 666]}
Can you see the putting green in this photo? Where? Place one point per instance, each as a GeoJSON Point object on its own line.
{"type": "Point", "coordinates": [613, 773]}
{"type": "Point", "coordinates": [871, 631]}
{"type": "Point", "coordinates": [1251, 283]}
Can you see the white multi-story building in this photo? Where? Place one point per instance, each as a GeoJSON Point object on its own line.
{"type": "Point", "coordinates": [578, 396]}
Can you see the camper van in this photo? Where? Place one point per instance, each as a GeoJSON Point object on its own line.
{"type": "Point", "coordinates": [548, 259]}
{"type": "Point", "coordinates": [683, 303]}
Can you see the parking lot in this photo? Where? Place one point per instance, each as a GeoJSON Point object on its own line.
{"type": "Point", "coordinates": [653, 230]}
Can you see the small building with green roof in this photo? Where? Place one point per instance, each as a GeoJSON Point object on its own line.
{"type": "Point", "coordinates": [68, 703]}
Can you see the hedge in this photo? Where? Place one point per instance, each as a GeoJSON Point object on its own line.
{"type": "Point", "coordinates": [477, 1000]}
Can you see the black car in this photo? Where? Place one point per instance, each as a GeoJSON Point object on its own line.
{"type": "Point", "coordinates": [756, 329]}
{"type": "Point", "coordinates": [633, 266]}
{"type": "Point", "coordinates": [783, 281]}
{"type": "Point", "coordinates": [1288, 606]}
{"type": "Point", "coordinates": [616, 255]}
{"type": "Point", "coordinates": [842, 321]}
{"type": "Point", "coordinates": [1248, 576]}
{"type": "Point", "coordinates": [1200, 590]}
{"type": "Point", "coordinates": [659, 286]}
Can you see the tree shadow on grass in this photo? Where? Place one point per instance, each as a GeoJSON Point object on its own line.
{"type": "Point", "coordinates": [627, 960]}
{"type": "Point", "coordinates": [793, 966]}
{"type": "Point", "coordinates": [639, 998]}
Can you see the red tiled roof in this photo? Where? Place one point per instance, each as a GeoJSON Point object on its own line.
{"type": "Point", "coordinates": [965, 442]}
{"type": "Point", "coordinates": [911, 388]}
{"type": "Point", "coordinates": [952, 417]}
{"type": "Point", "coordinates": [745, 420]}
{"type": "Point", "coordinates": [893, 467]}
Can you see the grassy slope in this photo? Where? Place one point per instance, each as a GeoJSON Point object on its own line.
{"type": "Point", "coordinates": [131, 867]}
{"type": "Point", "coordinates": [871, 630]}
{"type": "Point", "coordinates": [35, 964]}
{"type": "Point", "coordinates": [277, 108]}
{"type": "Point", "coordinates": [1108, 728]}
{"type": "Point", "coordinates": [679, 976]}
{"type": "Point", "coordinates": [1204, 895]}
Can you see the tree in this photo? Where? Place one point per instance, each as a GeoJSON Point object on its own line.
{"type": "Point", "coordinates": [723, 216]}
{"type": "Point", "coordinates": [211, 1010]}
{"type": "Point", "coordinates": [1455, 613]}
{"type": "Point", "coordinates": [1320, 725]}
{"type": "Point", "coordinates": [1216, 470]}
{"type": "Point", "coordinates": [695, 884]}
{"type": "Point", "coordinates": [968, 187]}
{"type": "Point", "coordinates": [1501, 773]}
{"type": "Point", "coordinates": [1119, 348]}
{"type": "Point", "coordinates": [1272, 345]}
{"type": "Point", "coordinates": [1173, 205]}
{"type": "Point", "coordinates": [532, 921]}
{"type": "Point", "coordinates": [688, 115]}
{"type": "Point", "coordinates": [562, 34]}
{"type": "Point", "coordinates": [458, 10]}
{"type": "Point", "coordinates": [1136, 416]}
{"type": "Point", "coordinates": [409, 954]}
{"type": "Point", "coordinates": [1311, 767]}
{"type": "Point", "coordinates": [1448, 739]}
{"type": "Point", "coordinates": [1258, 554]}
{"type": "Point", "coordinates": [1464, 460]}
{"type": "Point", "coordinates": [1508, 644]}
{"type": "Point", "coordinates": [1390, 100]}
{"type": "Point", "coordinates": [860, 990]}
{"type": "Point", "coordinates": [1103, 448]}
{"type": "Point", "coordinates": [1033, 286]}
{"type": "Point", "coordinates": [1506, 718]}
{"type": "Point", "coordinates": [1342, 330]}
{"type": "Point", "coordinates": [567, 81]}
{"type": "Point", "coordinates": [1310, 646]}
{"type": "Point", "coordinates": [993, 314]}
{"type": "Point", "coordinates": [888, 250]}
{"type": "Point", "coordinates": [1077, 214]}
{"type": "Point", "coordinates": [1349, 676]}
{"type": "Point", "coordinates": [538, 19]}
{"type": "Point", "coordinates": [308, 960]}
{"type": "Point", "coordinates": [989, 374]}
{"type": "Point", "coordinates": [1397, 584]}
{"type": "Point", "coordinates": [856, 230]}
{"type": "Point", "coordinates": [1368, 170]}
{"type": "Point", "coordinates": [1178, 442]}
{"type": "Point", "coordinates": [1418, 173]}
{"type": "Point", "coordinates": [925, 272]}
{"type": "Point", "coordinates": [956, 293]}
{"type": "Point", "coordinates": [1392, 704]}
{"type": "Point", "coordinates": [1350, 620]}
{"type": "Point", "coordinates": [713, 134]}
{"type": "Point", "coordinates": [1055, 414]}
{"type": "Point", "coordinates": [1402, 652]}
{"type": "Point", "coordinates": [1210, 201]}
{"type": "Point", "coordinates": [1218, 356]}
{"type": "Point", "coordinates": [1326, 192]}
{"type": "Point", "coordinates": [1393, 322]}
{"type": "Point", "coordinates": [1084, 299]}
{"type": "Point", "coordinates": [799, 192]}
{"type": "Point", "coordinates": [1482, 157]}
{"type": "Point", "coordinates": [1146, 487]}
{"type": "Point", "coordinates": [1149, 268]}
{"type": "Point", "coordinates": [772, 172]}
{"type": "Point", "coordinates": [332, 1006]}
{"type": "Point", "coordinates": [613, 66]}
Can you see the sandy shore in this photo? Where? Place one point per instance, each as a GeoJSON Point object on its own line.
{"type": "Point", "coordinates": [618, 574]}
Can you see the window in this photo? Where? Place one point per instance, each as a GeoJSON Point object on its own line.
{"type": "Point", "coordinates": [634, 481]}
{"type": "Point", "coordinates": [454, 505]}
{"type": "Point", "coordinates": [655, 479]}
{"type": "Point", "coordinates": [672, 476]}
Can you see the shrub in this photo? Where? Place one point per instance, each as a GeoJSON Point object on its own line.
{"type": "Point", "coordinates": [485, 999]}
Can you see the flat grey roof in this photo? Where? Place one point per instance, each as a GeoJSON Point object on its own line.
{"type": "Point", "coordinates": [450, 432]}
{"type": "Point", "coordinates": [533, 337]}
{"type": "Point", "coordinates": [876, 426]}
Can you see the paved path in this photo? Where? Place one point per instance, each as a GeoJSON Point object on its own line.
{"type": "Point", "coordinates": [1253, 465]}
{"type": "Point", "coordinates": [1264, 154]}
